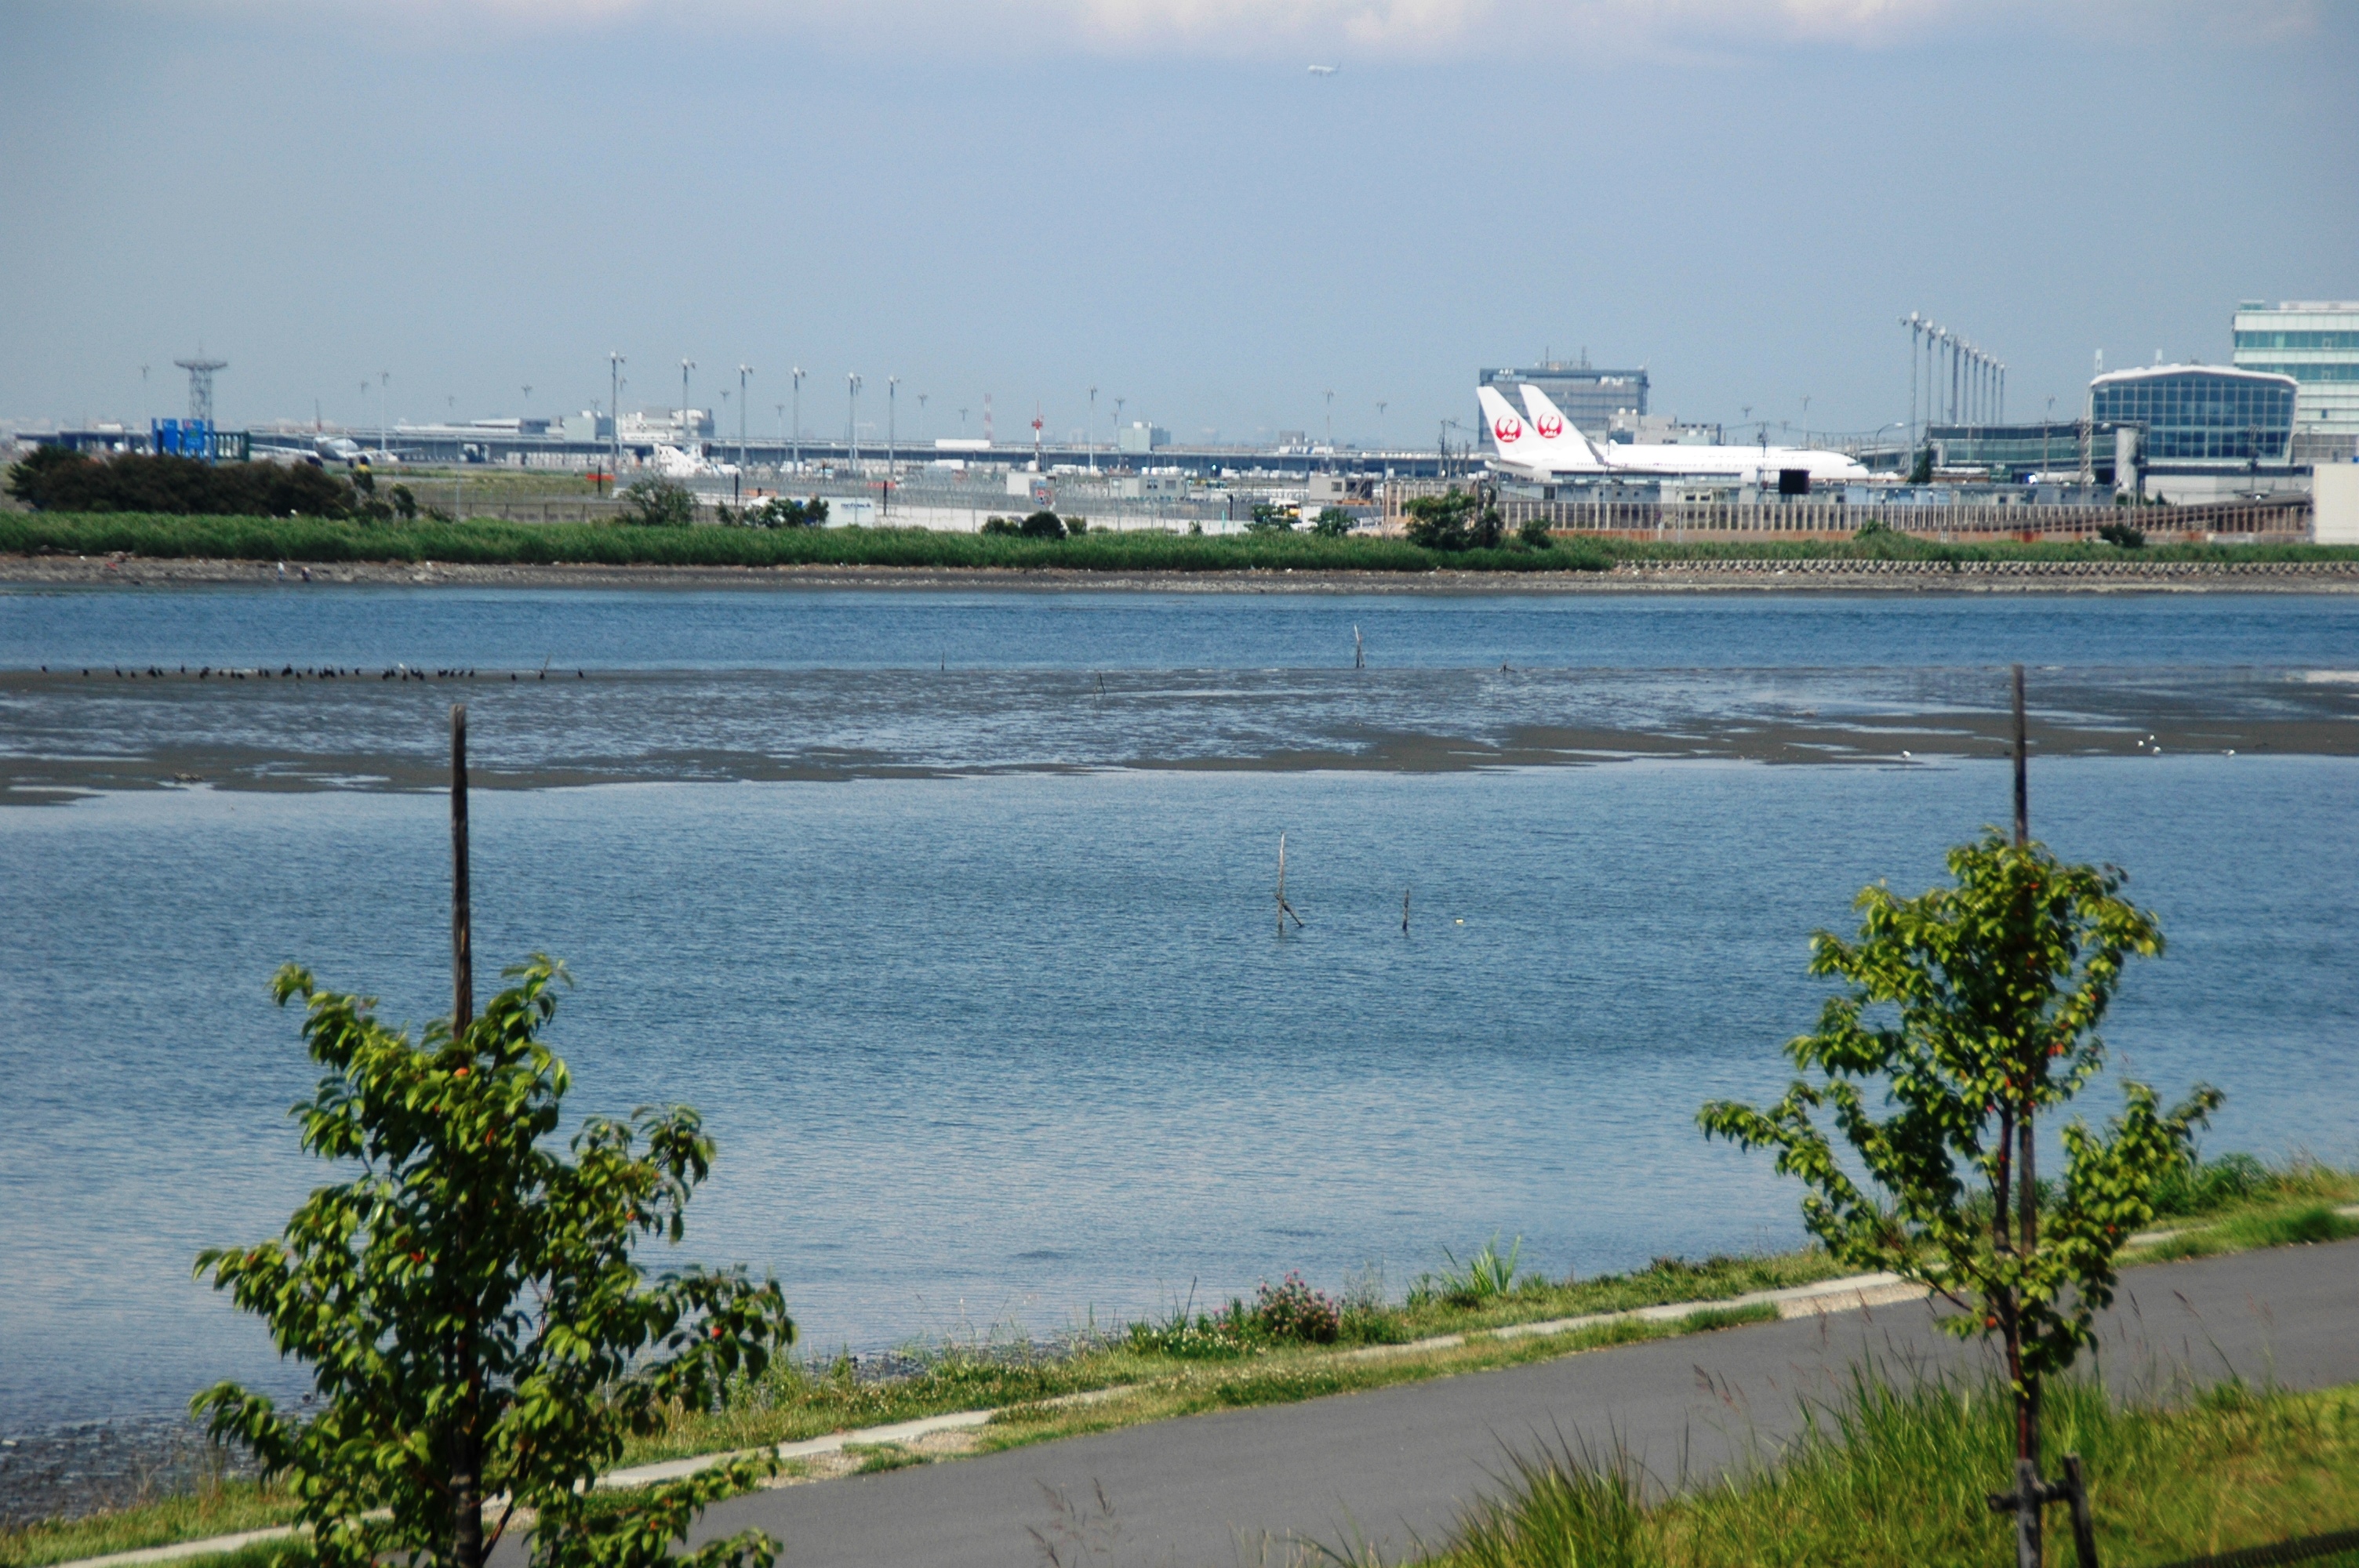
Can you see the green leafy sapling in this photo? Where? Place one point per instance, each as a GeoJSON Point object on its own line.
{"type": "Point", "coordinates": [480, 1334]}
{"type": "Point", "coordinates": [1974, 1009]}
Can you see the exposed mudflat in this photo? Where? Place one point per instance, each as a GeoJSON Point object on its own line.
{"type": "Point", "coordinates": [65, 732]}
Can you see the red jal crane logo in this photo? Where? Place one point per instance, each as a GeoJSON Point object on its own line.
{"type": "Point", "coordinates": [1549, 426]}
{"type": "Point", "coordinates": [1507, 427]}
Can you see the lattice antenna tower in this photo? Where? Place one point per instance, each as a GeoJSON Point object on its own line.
{"type": "Point", "coordinates": [201, 387]}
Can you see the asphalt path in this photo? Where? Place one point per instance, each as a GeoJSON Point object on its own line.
{"type": "Point", "coordinates": [1388, 1467]}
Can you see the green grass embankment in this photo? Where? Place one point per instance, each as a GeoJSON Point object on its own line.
{"type": "Point", "coordinates": [482, 541]}
{"type": "Point", "coordinates": [488, 541]}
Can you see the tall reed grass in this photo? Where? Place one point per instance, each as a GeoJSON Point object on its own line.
{"type": "Point", "coordinates": [1897, 1471]}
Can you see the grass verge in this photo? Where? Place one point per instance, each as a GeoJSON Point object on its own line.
{"type": "Point", "coordinates": [1289, 1376]}
{"type": "Point", "coordinates": [795, 1402]}
{"type": "Point", "coordinates": [221, 1508]}
{"type": "Point", "coordinates": [482, 541]}
{"type": "Point", "coordinates": [487, 542]}
{"type": "Point", "coordinates": [2237, 1204]}
{"type": "Point", "coordinates": [1899, 1474]}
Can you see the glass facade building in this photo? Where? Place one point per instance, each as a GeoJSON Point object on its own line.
{"type": "Point", "coordinates": [2198, 414]}
{"type": "Point", "coordinates": [2316, 342]}
{"type": "Point", "coordinates": [2011, 450]}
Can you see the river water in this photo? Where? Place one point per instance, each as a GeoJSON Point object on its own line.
{"type": "Point", "coordinates": [971, 965]}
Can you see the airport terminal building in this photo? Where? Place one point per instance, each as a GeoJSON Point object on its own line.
{"type": "Point", "coordinates": [2193, 433]}
{"type": "Point", "coordinates": [2316, 343]}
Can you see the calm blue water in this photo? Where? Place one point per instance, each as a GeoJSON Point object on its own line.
{"type": "Point", "coordinates": [1010, 1050]}
{"type": "Point", "coordinates": [769, 628]}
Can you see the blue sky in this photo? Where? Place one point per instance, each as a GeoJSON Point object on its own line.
{"type": "Point", "coordinates": [1027, 197]}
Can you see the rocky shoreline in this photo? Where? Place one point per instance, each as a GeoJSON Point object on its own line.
{"type": "Point", "coordinates": [1679, 577]}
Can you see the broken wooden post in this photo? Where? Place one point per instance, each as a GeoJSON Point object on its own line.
{"type": "Point", "coordinates": [2085, 1527]}
{"type": "Point", "coordinates": [1404, 912]}
{"type": "Point", "coordinates": [1283, 908]}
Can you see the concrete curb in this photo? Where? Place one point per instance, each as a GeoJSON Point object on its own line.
{"type": "Point", "coordinates": [1847, 1294]}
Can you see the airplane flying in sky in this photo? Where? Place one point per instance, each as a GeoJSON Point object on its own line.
{"type": "Point", "coordinates": [1325, 69]}
{"type": "Point", "coordinates": [1545, 446]}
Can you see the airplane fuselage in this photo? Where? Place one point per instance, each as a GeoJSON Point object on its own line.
{"type": "Point", "coordinates": [1546, 447]}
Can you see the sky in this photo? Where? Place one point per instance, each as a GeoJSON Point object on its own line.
{"type": "Point", "coordinates": [1022, 199]}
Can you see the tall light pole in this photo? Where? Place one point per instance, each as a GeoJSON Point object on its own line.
{"type": "Point", "coordinates": [384, 421]}
{"type": "Point", "coordinates": [685, 366]}
{"type": "Point", "coordinates": [1916, 325]}
{"type": "Point", "coordinates": [796, 376]}
{"type": "Point", "coordinates": [613, 407]}
{"type": "Point", "coordinates": [851, 420]}
{"type": "Point", "coordinates": [892, 436]}
{"type": "Point", "coordinates": [782, 430]}
{"type": "Point", "coordinates": [1331, 429]}
{"type": "Point", "coordinates": [1117, 426]}
{"type": "Point", "coordinates": [1091, 446]}
{"type": "Point", "coordinates": [743, 370]}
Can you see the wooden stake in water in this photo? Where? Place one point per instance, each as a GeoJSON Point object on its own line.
{"type": "Point", "coordinates": [2022, 780]}
{"type": "Point", "coordinates": [1285, 909]}
{"type": "Point", "coordinates": [1404, 912]}
{"type": "Point", "coordinates": [462, 958]}
{"type": "Point", "coordinates": [1359, 651]}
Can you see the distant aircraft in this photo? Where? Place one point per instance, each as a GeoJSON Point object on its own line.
{"type": "Point", "coordinates": [1546, 446]}
{"type": "Point", "coordinates": [689, 463]}
{"type": "Point", "coordinates": [1325, 69]}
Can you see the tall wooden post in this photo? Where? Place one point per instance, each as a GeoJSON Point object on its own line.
{"type": "Point", "coordinates": [466, 1470]}
{"type": "Point", "coordinates": [462, 958]}
{"type": "Point", "coordinates": [2022, 783]}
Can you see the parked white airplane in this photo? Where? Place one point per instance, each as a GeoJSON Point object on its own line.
{"type": "Point", "coordinates": [1546, 446]}
{"type": "Point", "coordinates": [676, 463]}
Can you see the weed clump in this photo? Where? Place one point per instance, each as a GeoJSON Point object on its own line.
{"type": "Point", "coordinates": [1484, 1277]}
{"type": "Point", "coordinates": [1295, 1313]}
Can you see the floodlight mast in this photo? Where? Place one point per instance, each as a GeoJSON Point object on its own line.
{"type": "Point", "coordinates": [892, 434]}
{"type": "Point", "coordinates": [615, 414]}
{"type": "Point", "coordinates": [743, 372]}
{"type": "Point", "coordinates": [796, 376]}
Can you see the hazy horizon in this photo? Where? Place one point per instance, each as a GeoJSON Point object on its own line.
{"type": "Point", "coordinates": [1152, 197]}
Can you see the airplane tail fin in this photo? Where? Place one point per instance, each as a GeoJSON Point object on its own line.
{"type": "Point", "coordinates": [1509, 439]}
{"type": "Point", "coordinates": [1556, 431]}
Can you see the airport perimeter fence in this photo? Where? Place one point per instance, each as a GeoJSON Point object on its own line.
{"type": "Point", "coordinates": [2286, 520]}
{"type": "Point", "coordinates": [922, 503]}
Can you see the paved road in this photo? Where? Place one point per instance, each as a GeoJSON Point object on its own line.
{"type": "Point", "coordinates": [1237, 1486]}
